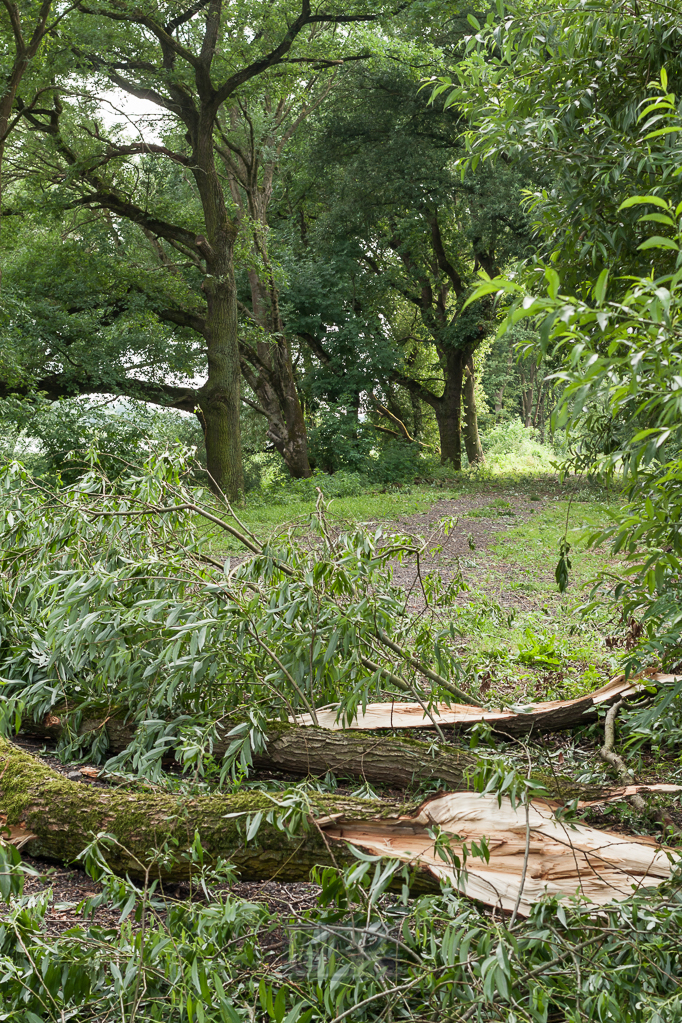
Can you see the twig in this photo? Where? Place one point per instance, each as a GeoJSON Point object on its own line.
{"type": "Point", "coordinates": [609, 756]}
{"type": "Point", "coordinates": [425, 670]}
{"type": "Point", "coordinates": [527, 849]}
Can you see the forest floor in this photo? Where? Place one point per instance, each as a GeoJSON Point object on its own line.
{"type": "Point", "coordinates": [520, 638]}
{"type": "Point", "coordinates": [500, 535]}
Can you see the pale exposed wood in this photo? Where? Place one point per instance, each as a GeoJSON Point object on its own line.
{"type": "Point", "coordinates": [564, 859]}
{"type": "Point", "coordinates": [14, 834]}
{"type": "Point", "coordinates": [625, 791]}
{"type": "Point", "coordinates": [538, 717]}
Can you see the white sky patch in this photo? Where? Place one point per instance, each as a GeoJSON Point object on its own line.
{"type": "Point", "coordinates": [142, 120]}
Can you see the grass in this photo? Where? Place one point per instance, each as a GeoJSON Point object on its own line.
{"type": "Point", "coordinates": [368, 507]}
{"type": "Point", "coordinates": [268, 519]}
{"type": "Point", "coordinates": [533, 545]}
{"type": "Point", "coordinates": [518, 633]}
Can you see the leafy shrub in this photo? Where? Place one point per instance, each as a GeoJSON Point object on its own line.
{"type": "Point", "coordinates": [337, 440]}
{"type": "Point", "coordinates": [513, 447]}
{"type": "Point", "coordinates": [280, 488]}
{"type": "Point", "coordinates": [539, 650]}
{"type": "Point", "coordinates": [57, 435]}
{"type": "Point", "coordinates": [396, 462]}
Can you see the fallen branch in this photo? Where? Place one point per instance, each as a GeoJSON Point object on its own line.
{"type": "Point", "coordinates": [397, 762]}
{"type": "Point", "coordinates": [609, 756]}
{"type": "Point", "coordinates": [539, 717]}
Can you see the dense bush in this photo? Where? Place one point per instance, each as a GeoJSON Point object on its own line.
{"type": "Point", "coordinates": [338, 440]}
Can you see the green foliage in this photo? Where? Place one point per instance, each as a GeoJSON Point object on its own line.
{"type": "Point", "coordinates": [511, 447]}
{"type": "Point", "coordinates": [111, 602]}
{"type": "Point", "coordinates": [361, 952]}
{"type": "Point", "coordinates": [56, 436]}
{"type": "Point", "coordinates": [617, 333]}
{"type": "Point", "coordinates": [539, 650]}
{"type": "Point", "coordinates": [339, 441]}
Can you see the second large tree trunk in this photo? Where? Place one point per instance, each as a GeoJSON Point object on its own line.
{"type": "Point", "coordinates": [472, 440]}
{"type": "Point", "coordinates": [448, 410]}
{"type": "Point", "coordinates": [270, 373]}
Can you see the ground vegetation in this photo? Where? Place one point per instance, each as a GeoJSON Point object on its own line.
{"type": "Point", "coordinates": [339, 559]}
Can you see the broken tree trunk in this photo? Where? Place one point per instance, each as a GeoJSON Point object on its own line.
{"type": "Point", "coordinates": [56, 818]}
{"type": "Point", "coordinates": [377, 759]}
{"type": "Point", "coordinates": [550, 716]}
{"type": "Point", "coordinates": [531, 854]}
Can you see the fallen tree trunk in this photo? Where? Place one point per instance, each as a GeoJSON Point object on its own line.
{"type": "Point", "coordinates": [395, 761]}
{"type": "Point", "coordinates": [352, 748]}
{"type": "Point", "coordinates": [56, 818]}
{"type": "Point", "coordinates": [530, 854]}
{"type": "Point", "coordinates": [377, 759]}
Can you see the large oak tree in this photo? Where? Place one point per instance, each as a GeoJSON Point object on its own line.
{"type": "Point", "coordinates": [196, 63]}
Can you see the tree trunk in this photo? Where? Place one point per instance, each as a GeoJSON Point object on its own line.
{"type": "Point", "coordinates": [528, 393]}
{"type": "Point", "coordinates": [219, 398]}
{"type": "Point", "coordinates": [12, 77]}
{"type": "Point", "coordinates": [448, 410]}
{"type": "Point", "coordinates": [275, 387]}
{"type": "Point", "coordinates": [377, 759]}
{"type": "Point", "coordinates": [472, 440]}
{"type": "Point", "coordinates": [270, 373]}
{"type": "Point", "coordinates": [57, 818]}
{"type": "Point", "coordinates": [499, 400]}
{"type": "Point", "coordinates": [313, 752]}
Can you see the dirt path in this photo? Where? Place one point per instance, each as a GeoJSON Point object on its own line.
{"type": "Point", "coordinates": [479, 522]}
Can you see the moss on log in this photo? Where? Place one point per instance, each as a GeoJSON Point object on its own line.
{"type": "Point", "coordinates": [62, 816]}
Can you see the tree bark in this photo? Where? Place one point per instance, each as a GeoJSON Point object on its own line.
{"type": "Point", "coordinates": [219, 398]}
{"type": "Point", "coordinates": [472, 439]}
{"type": "Point", "coordinates": [267, 366]}
{"type": "Point", "coordinates": [269, 371]}
{"type": "Point", "coordinates": [378, 759]}
{"type": "Point", "coordinates": [527, 392]}
{"type": "Point", "coordinates": [366, 756]}
{"type": "Point", "coordinates": [25, 50]}
{"type": "Point", "coordinates": [448, 410]}
{"type": "Point", "coordinates": [56, 818]}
